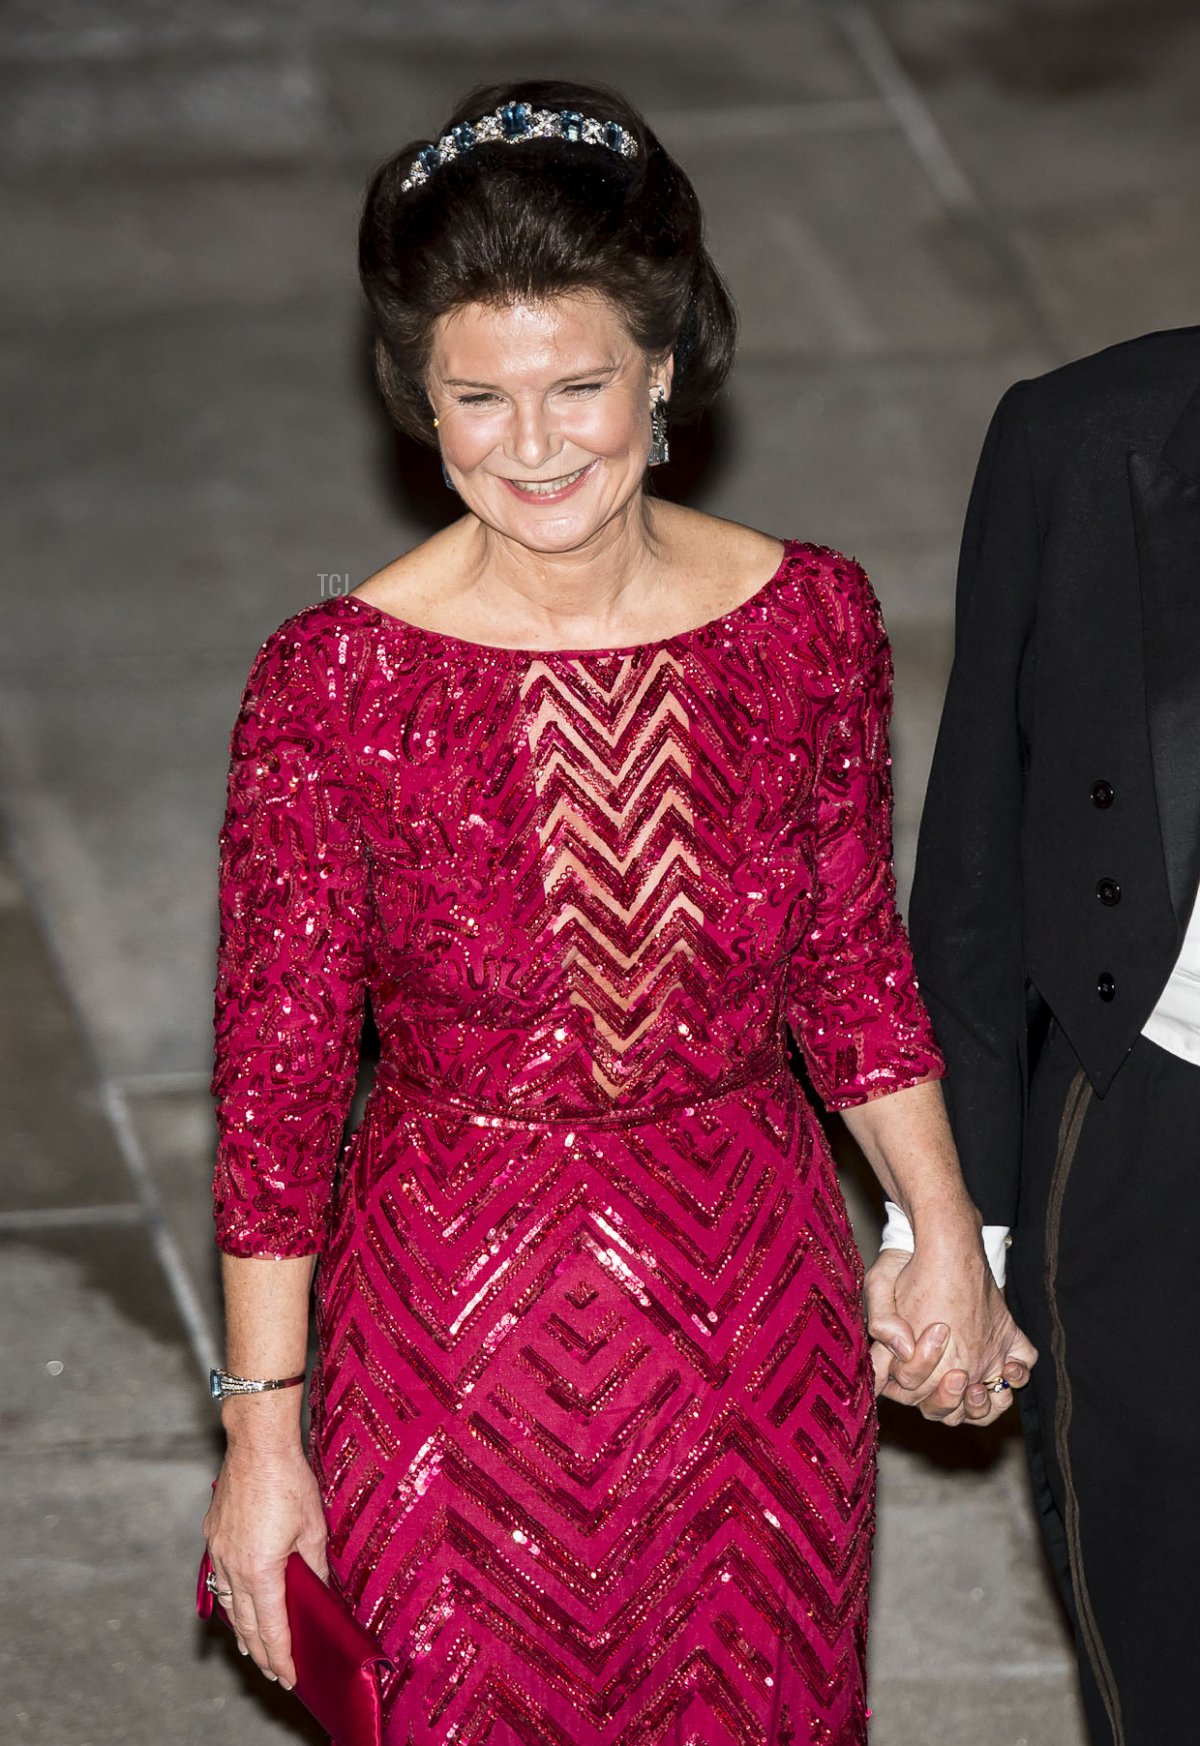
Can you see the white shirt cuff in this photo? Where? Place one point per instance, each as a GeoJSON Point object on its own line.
{"type": "Point", "coordinates": [898, 1234]}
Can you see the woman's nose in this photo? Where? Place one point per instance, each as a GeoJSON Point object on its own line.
{"type": "Point", "coordinates": [532, 438]}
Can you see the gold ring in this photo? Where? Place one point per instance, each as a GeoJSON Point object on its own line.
{"type": "Point", "coordinates": [997, 1384]}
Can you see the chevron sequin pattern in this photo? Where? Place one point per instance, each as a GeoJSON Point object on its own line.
{"type": "Point", "coordinates": [592, 1415]}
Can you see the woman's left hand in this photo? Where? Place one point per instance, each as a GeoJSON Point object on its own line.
{"type": "Point", "coordinates": [945, 1379]}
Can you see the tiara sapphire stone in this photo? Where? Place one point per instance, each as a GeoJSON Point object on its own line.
{"type": "Point", "coordinates": [510, 125]}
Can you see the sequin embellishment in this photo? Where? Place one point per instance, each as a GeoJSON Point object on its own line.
{"type": "Point", "coordinates": [592, 1415]}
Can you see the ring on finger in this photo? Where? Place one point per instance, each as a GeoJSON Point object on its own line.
{"type": "Point", "coordinates": [997, 1384]}
{"type": "Point", "coordinates": [214, 1587]}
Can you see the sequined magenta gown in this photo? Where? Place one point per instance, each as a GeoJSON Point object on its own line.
{"type": "Point", "coordinates": [592, 1416]}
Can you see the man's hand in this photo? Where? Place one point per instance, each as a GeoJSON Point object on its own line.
{"type": "Point", "coordinates": [932, 1372]}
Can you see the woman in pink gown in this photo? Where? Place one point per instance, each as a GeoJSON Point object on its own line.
{"type": "Point", "coordinates": [589, 796]}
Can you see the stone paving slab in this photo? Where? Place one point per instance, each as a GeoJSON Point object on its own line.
{"type": "Point", "coordinates": [391, 92]}
{"type": "Point", "coordinates": [120, 794]}
{"type": "Point", "coordinates": [922, 1457]}
{"type": "Point", "coordinates": [944, 1710]}
{"type": "Point", "coordinates": [1128, 268]}
{"type": "Point", "coordinates": [94, 1350]}
{"type": "Point", "coordinates": [922, 654]}
{"type": "Point", "coordinates": [984, 1607]}
{"type": "Point", "coordinates": [101, 1646]}
{"type": "Point", "coordinates": [844, 250]}
{"type": "Point", "coordinates": [182, 486]}
{"type": "Point", "coordinates": [134, 246]}
{"type": "Point", "coordinates": [1062, 106]}
{"type": "Point", "coordinates": [865, 456]}
{"type": "Point", "coordinates": [176, 1131]}
{"type": "Point", "coordinates": [35, 28]}
{"type": "Point", "coordinates": [1078, 125]}
{"type": "Point", "coordinates": [162, 111]}
{"type": "Point", "coordinates": [74, 1159]}
{"type": "Point", "coordinates": [914, 572]}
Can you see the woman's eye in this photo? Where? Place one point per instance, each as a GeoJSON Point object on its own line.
{"type": "Point", "coordinates": [493, 399]}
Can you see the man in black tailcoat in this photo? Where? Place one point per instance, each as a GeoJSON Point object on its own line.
{"type": "Point", "coordinates": [1057, 873]}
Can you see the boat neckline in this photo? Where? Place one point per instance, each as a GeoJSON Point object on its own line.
{"type": "Point", "coordinates": [710, 625]}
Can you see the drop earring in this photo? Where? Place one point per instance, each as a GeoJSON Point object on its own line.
{"type": "Point", "coordinates": [447, 481]}
{"type": "Point", "coordinates": [660, 449]}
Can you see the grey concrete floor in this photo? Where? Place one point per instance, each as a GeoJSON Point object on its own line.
{"type": "Point", "coordinates": [917, 202]}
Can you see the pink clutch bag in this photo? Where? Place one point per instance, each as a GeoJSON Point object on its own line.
{"type": "Point", "coordinates": [337, 1663]}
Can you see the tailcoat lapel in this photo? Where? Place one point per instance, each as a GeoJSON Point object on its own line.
{"type": "Point", "coordinates": [1166, 509]}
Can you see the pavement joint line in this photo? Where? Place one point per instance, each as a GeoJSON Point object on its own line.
{"type": "Point", "coordinates": [55, 1218]}
{"type": "Point", "coordinates": [912, 113]}
{"type": "Point", "coordinates": [113, 1101]}
{"type": "Point", "coordinates": [170, 1257]}
{"type": "Point", "coordinates": [148, 1084]}
{"type": "Point", "coordinates": [932, 151]}
{"type": "Point", "coordinates": [835, 293]}
{"type": "Point", "coordinates": [987, 1671]}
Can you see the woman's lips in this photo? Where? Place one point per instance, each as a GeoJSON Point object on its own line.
{"type": "Point", "coordinates": [549, 490]}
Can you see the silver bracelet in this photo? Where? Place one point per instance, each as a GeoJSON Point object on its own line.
{"type": "Point", "coordinates": [221, 1384]}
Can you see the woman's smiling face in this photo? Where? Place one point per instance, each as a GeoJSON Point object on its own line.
{"type": "Point", "coordinates": [544, 415]}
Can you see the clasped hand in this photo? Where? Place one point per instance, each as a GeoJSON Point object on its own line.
{"type": "Point", "coordinates": [968, 1336]}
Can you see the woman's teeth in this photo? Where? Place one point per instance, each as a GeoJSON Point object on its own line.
{"type": "Point", "coordinates": [548, 487]}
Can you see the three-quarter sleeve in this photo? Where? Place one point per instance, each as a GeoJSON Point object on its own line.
{"type": "Point", "coordinates": [291, 964]}
{"type": "Point", "coordinates": [852, 998]}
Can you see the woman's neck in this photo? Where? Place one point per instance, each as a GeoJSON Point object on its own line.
{"type": "Point", "coordinates": [574, 596]}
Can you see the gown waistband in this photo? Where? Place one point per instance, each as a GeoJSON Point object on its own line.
{"type": "Point", "coordinates": [394, 1079]}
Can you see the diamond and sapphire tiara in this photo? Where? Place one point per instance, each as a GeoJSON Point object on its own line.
{"type": "Point", "coordinates": [512, 124]}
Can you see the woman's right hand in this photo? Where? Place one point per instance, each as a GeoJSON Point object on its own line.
{"type": "Point", "coordinates": [943, 1378]}
{"type": "Point", "coordinates": [265, 1506]}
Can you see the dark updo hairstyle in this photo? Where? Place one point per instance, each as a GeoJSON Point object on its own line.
{"type": "Point", "coordinates": [523, 222]}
